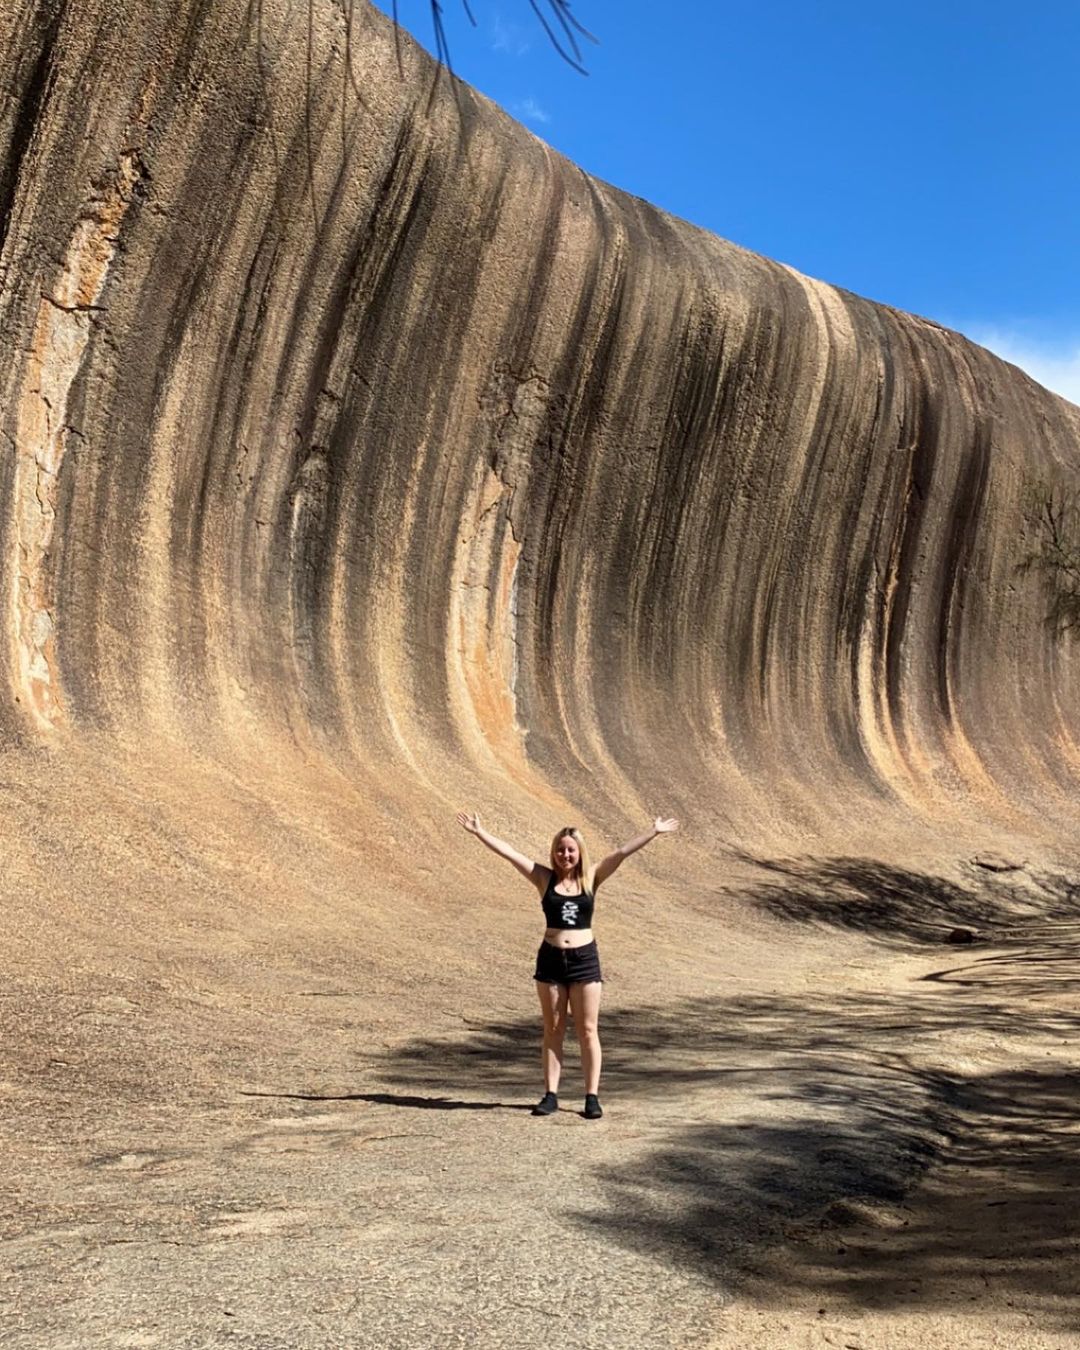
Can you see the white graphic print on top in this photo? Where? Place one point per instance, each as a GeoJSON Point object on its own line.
{"type": "Point", "coordinates": [569, 912]}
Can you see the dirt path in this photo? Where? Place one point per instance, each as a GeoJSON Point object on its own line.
{"type": "Point", "coordinates": [883, 1153]}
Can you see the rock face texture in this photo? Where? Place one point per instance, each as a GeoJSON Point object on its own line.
{"type": "Point", "coordinates": [343, 412]}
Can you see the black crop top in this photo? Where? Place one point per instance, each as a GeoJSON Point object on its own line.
{"type": "Point", "coordinates": [567, 911]}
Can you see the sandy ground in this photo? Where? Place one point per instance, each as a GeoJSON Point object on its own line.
{"type": "Point", "coordinates": [234, 1121]}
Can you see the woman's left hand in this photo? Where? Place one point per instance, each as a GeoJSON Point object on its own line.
{"type": "Point", "coordinates": [665, 826]}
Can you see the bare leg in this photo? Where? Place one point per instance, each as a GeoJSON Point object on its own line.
{"type": "Point", "coordinates": [553, 1006]}
{"type": "Point", "coordinates": [585, 1007]}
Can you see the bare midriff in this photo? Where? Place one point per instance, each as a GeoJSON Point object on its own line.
{"type": "Point", "coordinates": [567, 937]}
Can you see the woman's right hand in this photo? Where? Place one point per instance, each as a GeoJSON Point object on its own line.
{"type": "Point", "coordinates": [469, 820]}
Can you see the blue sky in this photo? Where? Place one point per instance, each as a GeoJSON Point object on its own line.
{"type": "Point", "coordinates": [923, 155]}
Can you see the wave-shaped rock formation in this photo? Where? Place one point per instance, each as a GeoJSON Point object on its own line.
{"type": "Point", "coordinates": [345, 421]}
{"type": "Point", "coordinates": [362, 460]}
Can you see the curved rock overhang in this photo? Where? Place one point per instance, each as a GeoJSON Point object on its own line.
{"type": "Point", "coordinates": [341, 413]}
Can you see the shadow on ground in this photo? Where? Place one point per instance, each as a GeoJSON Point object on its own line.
{"type": "Point", "coordinates": [393, 1099]}
{"type": "Point", "coordinates": [917, 1190]}
{"type": "Point", "coordinates": [840, 1143]}
{"type": "Point", "coordinates": [903, 907]}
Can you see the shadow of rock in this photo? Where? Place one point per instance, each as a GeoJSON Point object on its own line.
{"type": "Point", "coordinates": [902, 907]}
{"type": "Point", "coordinates": [834, 1208]}
{"type": "Point", "coordinates": [868, 1145]}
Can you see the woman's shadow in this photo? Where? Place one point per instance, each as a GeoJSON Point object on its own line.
{"type": "Point", "coordinates": [394, 1099]}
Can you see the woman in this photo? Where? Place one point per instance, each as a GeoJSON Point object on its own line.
{"type": "Point", "coordinates": [567, 964]}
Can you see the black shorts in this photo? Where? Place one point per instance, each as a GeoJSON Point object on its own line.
{"type": "Point", "coordinates": [568, 965]}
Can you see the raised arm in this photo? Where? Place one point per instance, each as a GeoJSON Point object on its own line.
{"type": "Point", "coordinates": [614, 860]}
{"type": "Point", "coordinates": [524, 865]}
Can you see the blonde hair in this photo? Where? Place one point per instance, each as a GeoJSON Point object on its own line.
{"type": "Point", "coordinates": [583, 871]}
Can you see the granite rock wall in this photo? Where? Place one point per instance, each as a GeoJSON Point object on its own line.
{"type": "Point", "coordinates": [339, 412]}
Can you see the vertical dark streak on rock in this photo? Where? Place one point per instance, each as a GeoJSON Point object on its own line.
{"type": "Point", "coordinates": [580, 378]}
{"type": "Point", "coordinates": [864, 599]}
{"type": "Point", "coordinates": [309, 59]}
{"type": "Point", "coordinates": [963, 524]}
{"type": "Point", "coordinates": [198, 503]}
{"type": "Point", "coordinates": [312, 506]}
{"type": "Point", "coordinates": [28, 110]}
{"type": "Point", "coordinates": [514, 353]}
{"type": "Point", "coordinates": [554, 553]}
{"type": "Point", "coordinates": [365, 276]}
{"type": "Point", "coordinates": [918, 437]}
{"type": "Point", "coordinates": [458, 241]}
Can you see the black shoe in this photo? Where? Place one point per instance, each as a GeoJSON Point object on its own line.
{"type": "Point", "coordinates": [593, 1109]}
{"type": "Point", "coordinates": [547, 1104]}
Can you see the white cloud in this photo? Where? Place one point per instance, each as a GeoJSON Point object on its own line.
{"type": "Point", "coordinates": [508, 38]}
{"type": "Point", "coordinates": [530, 111]}
{"type": "Point", "coordinates": [1055, 364]}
